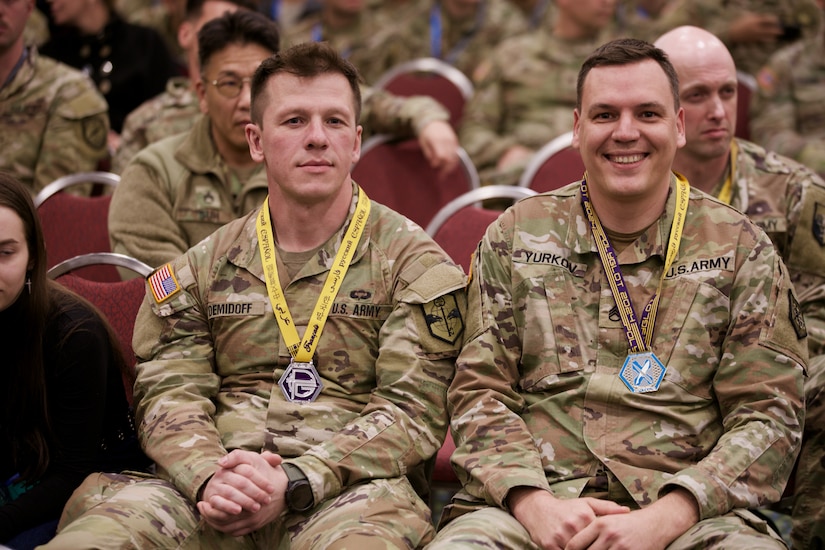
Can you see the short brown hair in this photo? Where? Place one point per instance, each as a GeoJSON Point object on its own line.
{"type": "Point", "coordinates": [625, 51]}
{"type": "Point", "coordinates": [304, 60]}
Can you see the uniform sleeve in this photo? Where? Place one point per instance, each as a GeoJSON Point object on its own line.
{"type": "Point", "coordinates": [132, 140]}
{"type": "Point", "coordinates": [176, 386]}
{"type": "Point", "coordinates": [805, 256]}
{"type": "Point", "coordinates": [405, 422]}
{"type": "Point", "coordinates": [142, 223]}
{"type": "Point", "coordinates": [483, 119]}
{"type": "Point", "coordinates": [75, 137]}
{"type": "Point", "coordinates": [402, 117]}
{"type": "Point", "coordinates": [773, 113]}
{"type": "Point", "coordinates": [494, 448]}
{"type": "Point", "coordinates": [758, 388]}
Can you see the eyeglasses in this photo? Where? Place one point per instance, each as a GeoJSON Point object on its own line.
{"type": "Point", "coordinates": [230, 86]}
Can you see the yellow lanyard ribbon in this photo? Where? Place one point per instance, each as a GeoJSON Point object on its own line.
{"type": "Point", "coordinates": [726, 193]}
{"type": "Point", "coordinates": [634, 329]}
{"type": "Point", "coordinates": [302, 350]}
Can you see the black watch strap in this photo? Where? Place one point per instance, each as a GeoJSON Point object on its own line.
{"type": "Point", "coordinates": [299, 497]}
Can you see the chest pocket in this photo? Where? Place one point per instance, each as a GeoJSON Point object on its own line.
{"type": "Point", "coordinates": [549, 311]}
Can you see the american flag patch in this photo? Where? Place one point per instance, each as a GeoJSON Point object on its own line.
{"type": "Point", "coordinates": [163, 283]}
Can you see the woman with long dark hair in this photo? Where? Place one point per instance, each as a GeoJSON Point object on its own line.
{"type": "Point", "coordinates": [63, 407]}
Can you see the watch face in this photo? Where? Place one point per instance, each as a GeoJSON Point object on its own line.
{"type": "Point", "coordinates": [300, 496]}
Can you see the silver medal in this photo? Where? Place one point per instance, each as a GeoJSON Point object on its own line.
{"type": "Point", "coordinates": [300, 382]}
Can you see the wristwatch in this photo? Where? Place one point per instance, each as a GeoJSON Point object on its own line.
{"type": "Point", "coordinates": [299, 496]}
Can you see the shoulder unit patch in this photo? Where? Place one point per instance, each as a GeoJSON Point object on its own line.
{"type": "Point", "coordinates": [444, 318]}
{"type": "Point", "coordinates": [796, 317]}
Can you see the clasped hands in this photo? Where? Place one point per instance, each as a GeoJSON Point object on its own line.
{"type": "Point", "coordinates": [594, 524]}
{"type": "Point", "coordinates": [246, 492]}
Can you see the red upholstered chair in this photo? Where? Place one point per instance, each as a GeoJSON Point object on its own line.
{"type": "Point", "coordinates": [396, 174]}
{"type": "Point", "coordinates": [118, 301]}
{"type": "Point", "coordinates": [443, 471]}
{"type": "Point", "coordinates": [432, 77]}
{"type": "Point", "coordinates": [75, 225]}
{"type": "Point", "coordinates": [745, 88]}
{"type": "Point", "coordinates": [553, 166]}
{"type": "Point", "coordinates": [460, 224]}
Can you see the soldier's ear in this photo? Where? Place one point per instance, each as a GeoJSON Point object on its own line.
{"type": "Point", "coordinates": [254, 140]}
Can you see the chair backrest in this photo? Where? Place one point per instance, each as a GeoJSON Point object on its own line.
{"type": "Point", "coordinates": [460, 224]}
{"type": "Point", "coordinates": [431, 77]}
{"type": "Point", "coordinates": [745, 88]}
{"type": "Point", "coordinates": [75, 225]}
{"type": "Point", "coordinates": [119, 302]}
{"type": "Point", "coordinates": [554, 165]}
{"type": "Point", "coordinates": [98, 177]}
{"type": "Point", "coordinates": [398, 175]}
{"type": "Point", "coordinates": [100, 258]}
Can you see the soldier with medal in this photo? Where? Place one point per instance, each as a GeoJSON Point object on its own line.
{"type": "Point", "coordinates": [293, 365]}
{"type": "Point", "coordinates": [579, 424]}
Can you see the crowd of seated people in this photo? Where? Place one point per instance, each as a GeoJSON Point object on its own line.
{"type": "Point", "coordinates": [164, 95]}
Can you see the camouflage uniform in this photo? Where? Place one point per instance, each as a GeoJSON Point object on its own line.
{"type": "Point", "coordinates": [716, 17]}
{"type": "Point", "coordinates": [787, 200]}
{"type": "Point", "coordinates": [36, 31]}
{"type": "Point", "coordinates": [174, 111]}
{"type": "Point", "coordinates": [526, 97]}
{"type": "Point", "coordinates": [175, 193]}
{"type": "Point", "coordinates": [211, 357]}
{"type": "Point", "coordinates": [350, 42]}
{"type": "Point", "coordinates": [165, 115]}
{"type": "Point", "coordinates": [788, 111]}
{"type": "Point", "coordinates": [54, 122]}
{"type": "Point", "coordinates": [464, 44]}
{"type": "Point", "coordinates": [537, 400]}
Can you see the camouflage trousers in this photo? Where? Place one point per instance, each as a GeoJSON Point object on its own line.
{"type": "Point", "coordinates": [808, 532]}
{"type": "Point", "coordinates": [120, 511]}
{"type": "Point", "coordinates": [493, 528]}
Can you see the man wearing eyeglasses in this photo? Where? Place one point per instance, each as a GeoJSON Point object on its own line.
{"type": "Point", "coordinates": [179, 190]}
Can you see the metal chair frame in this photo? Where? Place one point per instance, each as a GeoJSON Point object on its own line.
{"type": "Point", "coordinates": [549, 149]}
{"type": "Point", "coordinates": [98, 258]}
{"type": "Point", "coordinates": [429, 65]}
{"type": "Point", "coordinates": [105, 178]}
{"type": "Point", "coordinates": [474, 197]}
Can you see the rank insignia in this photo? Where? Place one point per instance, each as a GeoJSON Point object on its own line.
{"type": "Point", "coordinates": [206, 197]}
{"type": "Point", "coordinates": [796, 317]}
{"type": "Point", "coordinates": [818, 227]}
{"type": "Point", "coordinates": [163, 283]}
{"type": "Point", "coordinates": [444, 318]}
{"type": "Point", "coordinates": [300, 383]}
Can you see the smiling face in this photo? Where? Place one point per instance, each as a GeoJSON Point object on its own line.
{"type": "Point", "coordinates": [14, 257]}
{"type": "Point", "coordinates": [308, 137]}
{"type": "Point", "coordinates": [230, 115]}
{"type": "Point", "coordinates": [627, 131]}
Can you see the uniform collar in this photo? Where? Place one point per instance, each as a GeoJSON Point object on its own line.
{"type": "Point", "coordinates": [651, 243]}
{"type": "Point", "coordinates": [22, 74]}
{"type": "Point", "coordinates": [249, 258]}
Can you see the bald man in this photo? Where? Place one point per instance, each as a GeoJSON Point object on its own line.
{"type": "Point", "coordinates": [784, 198]}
